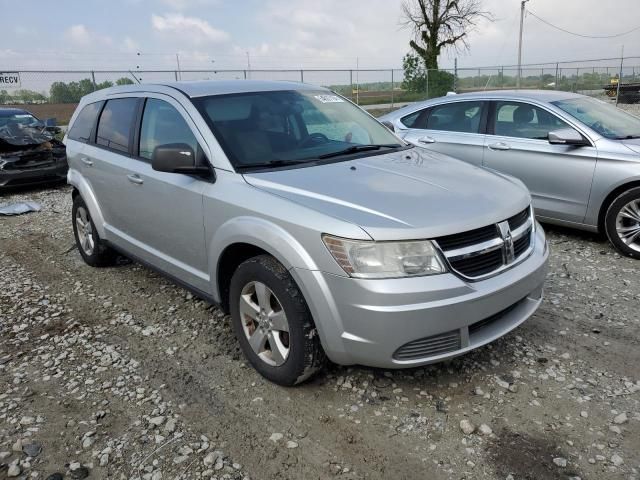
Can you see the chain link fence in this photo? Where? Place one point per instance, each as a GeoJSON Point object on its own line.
{"type": "Point", "coordinates": [56, 93]}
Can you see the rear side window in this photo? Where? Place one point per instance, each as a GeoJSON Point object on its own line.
{"type": "Point", "coordinates": [416, 119]}
{"type": "Point", "coordinates": [161, 125]}
{"type": "Point", "coordinates": [116, 121]}
{"type": "Point", "coordinates": [456, 117]}
{"type": "Point", "coordinates": [85, 121]}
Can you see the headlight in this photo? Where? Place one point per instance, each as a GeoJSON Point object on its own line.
{"type": "Point", "coordinates": [369, 259]}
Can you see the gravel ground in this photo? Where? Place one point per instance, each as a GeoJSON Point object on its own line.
{"type": "Point", "coordinates": [117, 373]}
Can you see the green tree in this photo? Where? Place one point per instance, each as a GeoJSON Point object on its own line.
{"type": "Point", "coordinates": [439, 24]}
{"type": "Point", "coordinates": [435, 83]}
{"type": "Point", "coordinates": [124, 81]}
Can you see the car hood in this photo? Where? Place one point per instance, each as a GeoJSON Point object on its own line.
{"type": "Point", "coordinates": [407, 194]}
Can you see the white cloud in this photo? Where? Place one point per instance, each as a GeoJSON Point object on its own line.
{"type": "Point", "coordinates": [81, 36]}
{"type": "Point", "coordinates": [193, 29]}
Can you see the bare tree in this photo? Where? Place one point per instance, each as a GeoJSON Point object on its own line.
{"type": "Point", "coordinates": [439, 24]}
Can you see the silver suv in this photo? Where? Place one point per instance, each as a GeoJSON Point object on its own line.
{"type": "Point", "coordinates": [320, 231]}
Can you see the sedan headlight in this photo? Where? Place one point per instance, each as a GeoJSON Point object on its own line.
{"type": "Point", "coordinates": [369, 259]}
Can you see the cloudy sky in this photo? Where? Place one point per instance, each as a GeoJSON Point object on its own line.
{"type": "Point", "coordinates": [146, 34]}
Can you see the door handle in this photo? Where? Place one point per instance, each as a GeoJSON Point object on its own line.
{"type": "Point", "coordinates": [427, 140]}
{"type": "Point", "coordinates": [135, 178]}
{"type": "Point", "coordinates": [86, 161]}
{"type": "Point", "coordinates": [499, 146]}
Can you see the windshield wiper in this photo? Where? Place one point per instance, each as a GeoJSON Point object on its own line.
{"type": "Point", "coordinates": [357, 149]}
{"type": "Point", "coordinates": [626, 137]}
{"type": "Point", "coordinates": [273, 163]}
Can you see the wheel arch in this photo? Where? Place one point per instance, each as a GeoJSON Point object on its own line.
{"type": "Point", "coordinates": [615, 193]}
{"type": "Point", "coordinates": [81, 187]}
{"type": "Point", "coordinates": [245, 237]}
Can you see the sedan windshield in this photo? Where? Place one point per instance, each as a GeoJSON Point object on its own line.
{"type": "Point", "coordinates": [292, 127]}
{"type": "Point", "coordinates": [607, 120]}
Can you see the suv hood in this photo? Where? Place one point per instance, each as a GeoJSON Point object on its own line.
{"type": "Point", "coordinates": [407, 194]}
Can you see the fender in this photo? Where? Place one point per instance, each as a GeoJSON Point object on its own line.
{"type": "Point", "coordinates": [86, 192]}
{"type": "Point", "coordinates": [264, 234]}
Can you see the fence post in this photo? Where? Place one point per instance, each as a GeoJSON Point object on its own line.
{"type": "Point", "coordinates": [455, 74]}
{"type": "Point", "coordinates": [620, 76]}
{"type": "Point", "coordinates": [93, 79]}
{"type": "Point", "coordinates": [427, 82]}
{"type": "Point", "coordinates": [542, 77]}
{"type": "Point", "coordinates": [392, 88]}
{"type": "Point", "coordinates": [557, 78]}
{"type": "Point", "coordinates": [245, 74]}
{"type": "Point", "coordinates": [351, 84]}
{"type": "Point", "coordinates": [301, 75]}
{"type": "Point", "coordinates": [175, 73]}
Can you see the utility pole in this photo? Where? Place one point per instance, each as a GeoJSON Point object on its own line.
{"type": "Point", "coordinates": [178, 62]}
{"type": "Point", "coordinates": [520, 43]}
{"type": "Point", "coordinates": [248, 64]}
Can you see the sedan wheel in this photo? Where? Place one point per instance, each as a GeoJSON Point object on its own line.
{"type": "Point", "coordinates": [628, 224]}
{"type": "Point", "coordinates": [622, 222]}
{"type": "Point", "coordinates": [264, 323]}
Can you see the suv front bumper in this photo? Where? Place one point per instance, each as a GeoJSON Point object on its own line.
{"type": "Point", "coordinates": [407, 322]}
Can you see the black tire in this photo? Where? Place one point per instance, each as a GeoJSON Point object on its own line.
{"type": "Point", "coordinates": [611, 222]}
{"type": "Point", "coordinates": [99, 255]}
{"type": "Point", "coordinates": [305, 355]}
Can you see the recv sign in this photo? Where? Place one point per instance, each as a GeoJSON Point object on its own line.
{"type": "Point", "coordinates": [9, 80]}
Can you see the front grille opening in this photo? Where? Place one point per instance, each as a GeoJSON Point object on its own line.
{"type": "Point", "coordinates": [482, 324]}
{"type": "Point", "coordinates": [429, 346]}
{"type": "Point", "coordinates": [522, 243]}
{"type": "Point", "coordinates": [466, 239]}
{"type": "Point", "coordinates": [479, 264]}
{"type": "Point", "coordinates": [519, 219]}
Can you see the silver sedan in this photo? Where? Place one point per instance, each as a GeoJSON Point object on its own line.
{"type": "Point", "coordinates": [579, 157]}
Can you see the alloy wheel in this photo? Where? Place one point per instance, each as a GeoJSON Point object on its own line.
{"type": "Point", "coordinates": [628, 224]}
{"type": "Point", "coordinates": [84, 231]}
{"type": "Point", "coordinates": [264, 323]}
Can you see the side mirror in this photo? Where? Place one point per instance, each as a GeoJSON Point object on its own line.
{"type": "Point", "coordinates": [50, 122]}
{"type": "Point", "coordinates": [176, 158]}
{"type": "Point", "coordinates": [389, 125]}
{"type": "Point", "coordinates": [567, 136]}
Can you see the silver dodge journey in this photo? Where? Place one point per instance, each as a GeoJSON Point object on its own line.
{"type": "Point", "coordinates": [322, 233]}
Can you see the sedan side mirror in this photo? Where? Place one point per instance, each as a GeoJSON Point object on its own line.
{"type": "Point", "coordinates": [567, 136]}
{"type": "Point", "coordinates": [50, 122]}
{"type": "Point", "coordinates": [176, 158]}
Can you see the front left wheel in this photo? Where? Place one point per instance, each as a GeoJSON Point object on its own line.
{"type": "Point", "coordinates": [272, 322]}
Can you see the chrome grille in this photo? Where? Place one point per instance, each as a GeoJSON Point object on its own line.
{"type": "Point", "coordinates": [429, 346]}
{"type": "Point", "coordinates": [482, 252]}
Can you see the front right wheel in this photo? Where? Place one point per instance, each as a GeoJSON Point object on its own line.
{"type": "Point", "coordinates": [622, 222]}
{"type": "Point", "coordinates": [273, 323]}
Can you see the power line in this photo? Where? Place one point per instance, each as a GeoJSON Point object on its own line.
{"type": "Point", "coordinates": [580, 34]}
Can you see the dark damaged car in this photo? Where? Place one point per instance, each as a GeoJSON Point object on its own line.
{"type": "Point", "coordinates": [29, 152]}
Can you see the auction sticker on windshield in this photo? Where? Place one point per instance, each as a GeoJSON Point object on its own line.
{"type": "Point", "coordinates": [9, 79]}
{"type": "Point", "coordinates": [328, 98]}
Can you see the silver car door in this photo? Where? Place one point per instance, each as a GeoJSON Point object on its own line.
{"type": "Point", "coordinates": [558, 176]}
{"type": "Point", "coordinates": [161, 214]}
{"type": "Point", "coordinates": [454, 128]}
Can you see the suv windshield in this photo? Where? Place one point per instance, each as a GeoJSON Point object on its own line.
{"type": "Point", "coordinates": [280, 128]}
{"type": "Point", "coordinates": [608, 121]}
